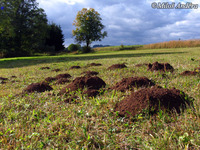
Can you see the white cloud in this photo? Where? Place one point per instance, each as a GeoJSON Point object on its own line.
{"type": "Point", "coordinates": [128, 22]}
{"type": "Point", "coordinates": [70, 2]}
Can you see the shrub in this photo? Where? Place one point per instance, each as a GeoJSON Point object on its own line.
{"type": "Point", "coordinates": [121, 47]}
{"type": "Point", "coordinates": [86, 49]}
{"type": "Point", "coordinates": [74, 47]}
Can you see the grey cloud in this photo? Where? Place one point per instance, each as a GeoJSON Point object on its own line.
{"type": "Point", "coordinates": [129, 22]}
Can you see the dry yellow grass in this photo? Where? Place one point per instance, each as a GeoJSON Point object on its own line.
{"type": "Point", "coordinates": [173, 44]}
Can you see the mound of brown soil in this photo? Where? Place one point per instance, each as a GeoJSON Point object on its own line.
{"type": "Point", "coordinates": [151, 100]}
{"type": "Point", "coordinates": [90, 73]}
{"type": "Point", "coordinates": [50, 79]}
{"type": "Point", "coordinates": [66, 75]}
{"type": "Point", "coordinates": [117, 66]}
{"type": "Point", "coordinates": [37, 87]}
{"type": "Point", "coordinates": [91, 93]}
{"type": "Point", "coordinates": [75, 67]}
{"type": "Point", "coordinates": [94, 83]}
{"type": "Point", "coordinates": [84, 82]}
{"type": "Point", "coordinates": [2, 82]}
{"type": "Point", "coordinates": [160, 67]}
{"type": "Point", "coordinates": [129, 83]}
{"type": "Point", "coordinates": [42, 68]}
{"type": "Point", "coordinates": [13, 77]}
{"type": "Point", "coordinates": [56, 70]}
{"type": "Point", "coordinates": [94, 64]}
{"type": "Point", "coordinates": [62, 81]}
{"type": "Point", "coordinates": [3, 79]}
{"type": "Point", "coordinates": [187, 73]}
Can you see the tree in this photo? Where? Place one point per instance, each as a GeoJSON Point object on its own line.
{"type": "Point", "coordinates": [23, 27]}
{"type": "Point", "coordinates": [74, 47]}
{"type": "Point", "coordinates": [55, 38]}
{"type": "Point", "coordinates": [88, 27]}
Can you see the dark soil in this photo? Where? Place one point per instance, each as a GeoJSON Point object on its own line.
{"type": "Point", "coordinates": [90, 73]}
{"type": "Point", "coordinates": [60, 76]}
{"type": "Point", "coordinates": [75, 67]}
{"type": "Point", "coordinates": [84, 82]}
{"type": "Point", "coordinates": [38, 87]}
{"type": "Point", "coordinates": [50, 79]}
{"type": "Point", "coordinates": [42, 68]}
{"type": "Point", "coordinates": [117, 66]}
{"type": "Point", "coordinates": [3, 79]}
{"type": "Point", "coordinates": [13, 77]}
{"type": "Point", "coordinates": [150, 100]}
{"type": "Point", "coordinates": [94, 64]}
{"type": "Point", "coordinates": [2, 82]}
{"type": "Point", "coordinates": [94, 83]}
{"type": "Point", "coordinates": [91, 93]}
{"type": "Point", "coordinates": [188, 73]}
{"type": "Point", "coordinates": [129, 83]}
{"type": "Point", "coordinates": [160, 67]}
{"type": "Point", "coordinates": [56, 70]}
{"type": "Point", "coordinates": [140, 65]}
{"type": "Point", "coordinates": [62, 81]}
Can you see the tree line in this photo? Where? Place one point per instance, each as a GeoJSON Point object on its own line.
{"type": "Point", "coordinates": [24, 29]}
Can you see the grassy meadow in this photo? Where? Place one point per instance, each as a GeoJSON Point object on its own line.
{"type": "Point", "coordinates": [45, 121]}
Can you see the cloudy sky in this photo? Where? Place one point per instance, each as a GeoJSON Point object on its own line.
{"type": "Point", "coordinates": [129, 22]}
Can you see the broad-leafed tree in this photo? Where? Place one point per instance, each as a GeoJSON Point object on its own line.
{"type": "Point", "coordinates": [88, 27]}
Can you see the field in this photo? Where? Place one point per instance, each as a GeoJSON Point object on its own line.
{"type": "Point", "coordinates": [47, 121]}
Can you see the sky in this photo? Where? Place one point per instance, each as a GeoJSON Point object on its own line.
{"type": "Point", "coordinates": [129, 22]}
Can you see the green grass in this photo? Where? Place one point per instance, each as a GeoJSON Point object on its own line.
{"type": "Point", "coordinates": [45, 121]}
{"type": "Point", "coordinates": [117, 48]}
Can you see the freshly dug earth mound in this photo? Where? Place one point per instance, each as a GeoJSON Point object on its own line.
{"type": "Point", "coordinates": [90, 73]}
{"type": "Point", "coordinates": [117, 66]}
{"type": "Point", "coordinates": [2, 82]}
{"type": "Point", "coordinates": [75, 67]}
{"type": "Point", "coordinates": [50, 79]}
{"type": "Point", "coordinates": [59, 77]}
{"type": "Point", "coordinates": [91, 93]}
{"type": "Point", "coordinates": [62, 81]}
{"type": "Point", "coordinates": [129, 83]}
{"type": "Point", "coordinates": [151, 100]}
{"type": "Point", "coordinates": [42, 68]}
{"type": "Point", "coordinates": [187, 73]}
{"type": "Point", "coordinates": [84, 82]}
{"type": "Point", "coordinates": [94, 83]}
{"type": "Point", "coordinates": [1, 78]}
{"type": "Point", "coordinates": [56, 70]}
{"type": "Point", "coordinates": [94, 64]}
{"type": "Point", "coordinates": [66, 75]}
{"type": "Point", "coordinates": [38, 87]}
{"type": "Point", "coordinates": [160, 67]}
